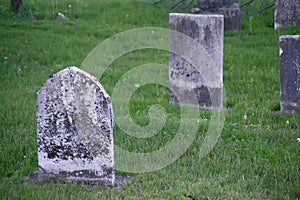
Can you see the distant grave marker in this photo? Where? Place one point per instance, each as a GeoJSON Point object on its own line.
{"type": "Point", "coordinates": [290, 73]}
{"type": "Point", "coordinates": [187, 79]}
{"type": "Point", "coordinates": [287, 13]}
{"type": "Point", "coordinates": [214, 5]}
{"type": "Point", "coordinates": [75, 129]}
{"type": "Point", "coordinates": [230, 10]}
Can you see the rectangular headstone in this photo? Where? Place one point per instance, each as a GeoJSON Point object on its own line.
{"type": "Point", "coordinates": [232, 17]}
{"type": "Point", "coordinates": [75, 129]}
{"type": "Point", "coordinates": [287, 13]}
{"type": "Point", "coordinates": [290, 73]}
{"type": "Point", "coordinates": [196, 59]}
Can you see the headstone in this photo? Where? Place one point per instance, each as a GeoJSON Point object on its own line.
{"type": "Point", "coordinates": [213, 5]}
{"type": "Point", "coordinates": [75, 129]}
{"type": "Point", "coordinates": [187, 79]}
{"type": "Point", "coordinates": [230, 10]}
{"type": "Point", "coordinates": [287, 13]}
{"type": "Point", "coordinates": [290, 73]}
{"type": "Point", "coordinates": [232, 17]}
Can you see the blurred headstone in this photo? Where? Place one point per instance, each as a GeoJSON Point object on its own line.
{"type": "Point", "coordinates": [290, 73]}
{"type": "Point", "coordinates": [287, 13]}
{"type": "Point", "coordinates": [230, 10]}
{"type": "Point", "coordinates": [16, 5]}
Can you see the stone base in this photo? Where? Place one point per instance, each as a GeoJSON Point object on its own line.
{"type": "Point", "coordinates": [39, 176]}
{"type": "Point", "coordinates": [290, 73]}
{"type": "Point", "coordinates": [213, 5]}
{"type": "Point", "coordinates": [289, 107]}
{"type": "Point", "coordinates": [203, 97]}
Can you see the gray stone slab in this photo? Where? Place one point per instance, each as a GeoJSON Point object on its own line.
{"type": "Point", "coordinates": [196, 71]}
{"type": "Point", "coordinates": [290, 73]}
{"type": "Point", "coordinates": [287, 13]}
{"type": "Point", "coordinates": [212, 5]}
{"type": "Point", "coordinates": [75, 129]}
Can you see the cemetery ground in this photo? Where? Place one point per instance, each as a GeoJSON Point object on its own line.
{"type": "Point", "coordinates": [256, 157]}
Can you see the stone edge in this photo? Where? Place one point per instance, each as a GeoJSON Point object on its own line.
{"type": "Point", "coordinates": [196, 15]}
{"type": "Point", "coordinates": [38, 177]}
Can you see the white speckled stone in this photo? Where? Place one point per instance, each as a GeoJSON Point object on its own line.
{"type": "Point", "coordinates": [75, 129]}
{"type": "Point", "coordinates": [199, 83]}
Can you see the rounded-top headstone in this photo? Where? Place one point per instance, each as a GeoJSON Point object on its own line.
{"type": "Point", "coordinates": [289, 73]}
{"type": "Point", "coordinates": [75, 129]}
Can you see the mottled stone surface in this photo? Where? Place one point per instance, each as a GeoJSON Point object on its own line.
{"type": "Point", "coordinates": [287, 13]}
{"type": "Point", "coordinates": [185, 79]}
{"type": "Point", "coordinates": [75, 129]}
{"type": "Point", "coordinates": [290, 73]}
{"type": "Point", "coordinates": [213, 5]}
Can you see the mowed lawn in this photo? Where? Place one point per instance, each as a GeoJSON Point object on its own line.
{"type": "Point", "coordinates": [256, 157]}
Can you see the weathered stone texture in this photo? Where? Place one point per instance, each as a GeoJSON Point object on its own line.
{"type": "Point", "coordinates": [75, 129]}
{"type": "Point", "coordinates": [186, 80]}
{"type": "Point", "coordinates": [287, 13]}
{"type": "Point", "coordinates": [290, 73]}
{"type": "Point", "coordinates": [232, 17]}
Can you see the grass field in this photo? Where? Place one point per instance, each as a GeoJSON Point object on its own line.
{"type": "Point", "coordinates": [256, 157]}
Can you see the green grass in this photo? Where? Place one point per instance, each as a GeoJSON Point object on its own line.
{"type": "Point", "coordinates": [256, 158]}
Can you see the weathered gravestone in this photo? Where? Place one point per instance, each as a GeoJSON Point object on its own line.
{"type": "Point", "coordinates": [214, 5]}
{"type": "Point", "coordinates": [230, 10]}
{"type": "Point", "coordinates": [196, 71]}
{"type": "Point", "coordinates": [75, 129]}
{"type": "Point", "coordinates": [290, 73]}
{"type": "Point", "coordinates": [287, 13]}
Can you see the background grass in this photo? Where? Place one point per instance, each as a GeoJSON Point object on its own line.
{"type": "Point", "coordinates": [256, 157]}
